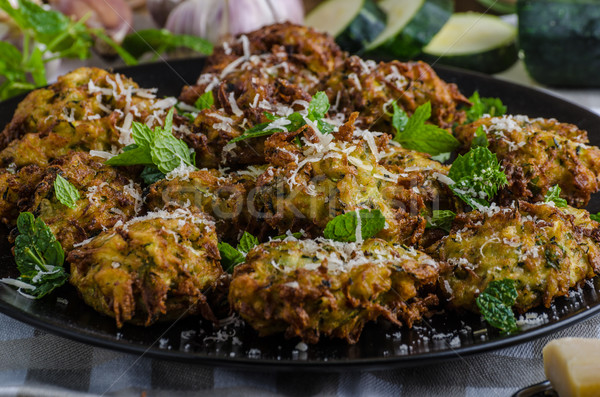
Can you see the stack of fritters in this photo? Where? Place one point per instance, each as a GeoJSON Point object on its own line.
{"type": "Point", "coordinates": [151, 254]}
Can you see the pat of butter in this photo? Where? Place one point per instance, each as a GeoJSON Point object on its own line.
{"type": "Point", "coordinates": [572, 365]}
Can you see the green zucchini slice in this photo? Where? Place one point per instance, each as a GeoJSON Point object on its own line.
{"type": "Point", "coordinates": [353, 23]}
{"type": "Point", "coordinates": [560, 41]}
{"type": "Point", "coordinates": [411, 25]}
{"type": "Point", "coordinates": [470, 40]}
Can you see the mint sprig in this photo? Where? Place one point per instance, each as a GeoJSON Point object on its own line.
{"type": "Point", "coordinates": [158, 148]}
{"type": "Point", "coordinates": [441, 219]}
{"type": "Point", "coordinates": [492, 106]}
{"type": "Point", "coordinates": [231, 257]}
{"type": "Point", "coordinates": [477, 177]}
{"type": "Point", "coordinates": [553, 196]}
{"type": "Point", "coordinates": [495, 304]}
{"type": "Point", "coordinates": [65, 192]}
{"type": "Point", "coordinates": [39, 257]}
{"type": "Point", "coordinates": [343, 227]}
{"type": "Point", "coordinates": [412, 132]}
{"type": "Point", "coordinates": [317, 109]}
{"type": "Point", "coordinates": [49, 35]}
{"type": "Point", "coordinates": [205, 101]}
{"type": "Point", "coordinates": [480, 138]}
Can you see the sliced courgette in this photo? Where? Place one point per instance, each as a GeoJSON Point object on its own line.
{"type": "Point", "coordinates": [470, 40]}
{"type": "Point", "coordinates": [561, 41]}
{"type": "Point", "coordinates": [411, 25]}
{"type": "Point", "coordinates": [353, 23]}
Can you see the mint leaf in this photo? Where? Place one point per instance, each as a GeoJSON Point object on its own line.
{"type": "Point", "coordinates": [343, 227]}
{"type": "Point", "coordinates": [416, 135]}
{"type": "Point", "coordinates": [480, 138]}
{"type": "Point", "coordinates": [132, 156]}
{"type": "Point", "coordinates": [441, 219]}
{"type": "Point", "coordinates": [39, 256]}
{"type": "Point", "coordinates": [492, 106]}
{"type": "Point", "coordinates": [318, 107]}
{"type": "Point", "coordinates": [157, 41]}
{"type": "Point", "coordinates": [230, 257]}
{"type": "Point", "coordinates": [477, 177]}
{"type": "Point", "coordinates": [205, 101]}
{"type": "Point", "coordinates": [399, 118]}
{"type": "Point", "coordinates": [158, 148]}
{"type": "Point", "coordinates": [495, 304]}
{"type": "Point", "coordinates": [169, 153]}
{"type": "Point", "coordinates": [150, 174]}
{"type": "Point", "coordinates": [65, 192]}
{"type": "Point", "coordinates": [247, 242]}
{"type": "Point", "coordinates": [553, 196]}
{"type": "Point", "coordinates": [595, 217]}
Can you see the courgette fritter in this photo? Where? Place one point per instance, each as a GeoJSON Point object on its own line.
{"type": "Point", "coordinates": [222, 196]}
{"type": "Point", "coordinates": [87, 109]}
{"type": "Point", "coordinates": [106, 196]}
{"type": "Point", "coordinates": [307, 186]}
{"type": "Point", "coordinates": [545, 249]}
{"type": "Point", "coordinates": [369, 88]}
{"type": "Point", "coordinates": [154, 268]}
{"type": "Point", "coordinates": [537, 154]}
{"type": "Point", "coordinates": [315, 288]}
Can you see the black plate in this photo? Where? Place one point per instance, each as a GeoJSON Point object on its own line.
{"type": "Point", "coordinates": [381, 345]}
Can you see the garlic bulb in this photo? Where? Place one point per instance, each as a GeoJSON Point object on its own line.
{"type": "Point", "coordinates": [215, 19]}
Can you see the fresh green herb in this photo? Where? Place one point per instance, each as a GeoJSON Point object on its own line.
{"type": "Point", "coordinates": [416, 135]}
{"type": "Point", "coordinates": [477, 177]}
{"type": "Point", "coordinates": [441, 219]}
{"type": "Point", "coordinates": [49, 35]}
{"type": "Point", "coordinates": [343, 227]}
{"type": "Point", "coordinates": [39, 257]}
{"type": "Point", "coordinates": [156, 147]}
{"type": "Point", "coordinates": [399, 118]}
{"type": "Point", "coordinates": [595, 217]}
{"type": "Point", "coordinates": [231, 257]}
{"type": "Point", "coordinates": [553, 196]}
{"type": "Point", "coordinates": [158, 41]}
{"type": "Point", "coordinates": [480, 138]}
{"type": "Point", "coordinates": [205, 101]}
{"type": "Point", "coordinates": [317, 109]}
{"type": "Point", "coordinates": [492, 106]}
{"type": "Point", "coordinates": [247, 242]}
{"type": "Point", "coordinates": [495, 304]}
{"type": "Point", "coordinates": [150, 174]}
{"type": "Point", "coordinates": [65, 192]}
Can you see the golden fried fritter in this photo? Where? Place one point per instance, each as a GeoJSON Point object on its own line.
{"type": "Point", "coordinates": [314, 288]}
{"type": "Point", "coordinates": [315, 51]}
{"type": "Point", "coordinates": [158, 267]}
{"type": "Point", "coordinates": [224, 197]}
{"type": "Point", "coordinates": [106, 197]}
{"type": "Point", "coordinates": [273, 70]}
{"type": "Point", "coordinates": [537, 154]}
{"type": "Point", "coordinates": [369, 88]}
{"type": "Point", "coordinates": [307, 186]}
{"type": "Point", "coordinates": [83, 110]}
{"type": "Point", "coordinates": [16, 189]}
{"type": "Point", "coordinates": [546, 250]}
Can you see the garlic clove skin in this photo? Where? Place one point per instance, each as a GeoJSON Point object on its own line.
{"type": "Point", "coordinates": [161, 9]}
{"type": "Point", "coordinates": [215, 20]}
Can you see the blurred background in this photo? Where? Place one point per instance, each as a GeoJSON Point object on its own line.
{"type": "Point", "coordinates": [545, 43]}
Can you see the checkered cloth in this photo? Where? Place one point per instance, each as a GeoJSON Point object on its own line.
{"type": "Point", "coordinates": [37, 364]}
